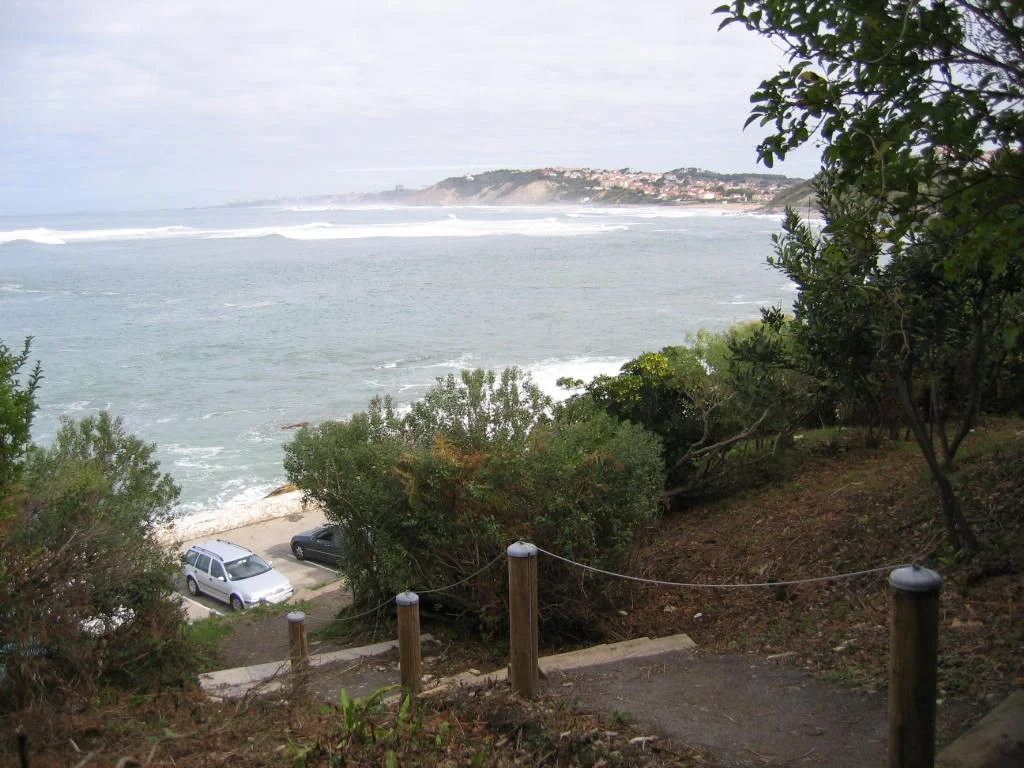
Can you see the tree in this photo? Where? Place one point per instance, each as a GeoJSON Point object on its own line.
{"type": "Point", "coordinates": [87, 587]}
{"type": "Point", "coordinates": [913, 102]}
{"type": "Point", "coordinates": [17, 406]}
{"type": "Point", "coordinates": [348, 468]}
{"type": "Point", "coordinates": [478, 408]}
{"type": "Point", "coordinates": [683, 395]}
{"type": "Point", "coordinates": [917, 106]}
{"type": "Point", "coordinates": [476, 464]}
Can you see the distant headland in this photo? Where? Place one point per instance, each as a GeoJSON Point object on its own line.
{"type": "Point", "coordinates": [625, 186]}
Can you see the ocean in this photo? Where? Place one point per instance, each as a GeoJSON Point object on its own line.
{"type": "Point", "coordinates": [212, 331]}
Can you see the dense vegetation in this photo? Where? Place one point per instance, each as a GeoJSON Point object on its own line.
{"type": "Point", "coordinates": [85, 584]}
{"type": "Point", "coordinates": [912, 290]}
{"type": "Point", "coordinates": [429, 500]}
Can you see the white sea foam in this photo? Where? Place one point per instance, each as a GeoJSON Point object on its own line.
{"type": "Point", "coordinates": [450, 226]}
{"type": "Point", "coordinates": [546, 373]}
{"type": "Point", "coordinates": [251, 305]}
{"type": "Point", "coordinates": [45, 236]}
{"type": "Point", "coordinates": [465, 360]}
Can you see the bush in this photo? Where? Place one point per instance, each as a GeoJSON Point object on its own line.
{"type": "Point", "coordinates": [440, 504]}
{"type": "Point", "coordinates": [86, 587]}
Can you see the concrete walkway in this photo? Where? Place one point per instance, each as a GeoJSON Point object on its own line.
{"type": "Point", "coordinates": [274, 675]}
{"type": "Point", "coordinates": [995, 742]}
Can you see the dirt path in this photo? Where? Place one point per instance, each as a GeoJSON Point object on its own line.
{"type": "Point", "coordinates": [746, 711]}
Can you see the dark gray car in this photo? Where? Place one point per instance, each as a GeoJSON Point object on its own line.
{"type": "Point", "coordinates": [322, 544]}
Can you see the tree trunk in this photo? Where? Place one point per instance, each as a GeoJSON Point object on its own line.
{"type": "Point", "coordinates": [957, 527]}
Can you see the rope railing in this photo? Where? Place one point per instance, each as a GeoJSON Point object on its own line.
{"type": "Point", "coordinates": [637, 579]}
{"type": "Point", "coordinates": [739, 585]}
{"type": "Point", "coordinates": [389, 601]}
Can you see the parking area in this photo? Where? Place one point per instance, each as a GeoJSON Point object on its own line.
{"type": "Point", "coordinates": [270, 539]}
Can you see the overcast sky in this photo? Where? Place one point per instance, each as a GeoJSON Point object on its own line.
{"type": "Point", "coordinates": [130, 104]}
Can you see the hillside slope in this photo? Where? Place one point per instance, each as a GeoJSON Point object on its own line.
{"type": "Point", "coordinates": [840, 509]}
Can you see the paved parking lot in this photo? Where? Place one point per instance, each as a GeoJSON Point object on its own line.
{"type": "Point", "coordinates": [269, 539]}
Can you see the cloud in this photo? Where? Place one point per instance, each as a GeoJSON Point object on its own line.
{"type": "Point", "coordinates": [184, 102]}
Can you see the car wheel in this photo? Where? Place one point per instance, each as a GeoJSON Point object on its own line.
{"type": "Point", "coordinates": [299, 554]}
{"type": "Point", "coordinates": [237, 604]}
{"type": "Point", "coordinates": [193, 588]}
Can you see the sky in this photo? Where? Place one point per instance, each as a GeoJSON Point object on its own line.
{"type": "Point", "coordinates": [129, 104]}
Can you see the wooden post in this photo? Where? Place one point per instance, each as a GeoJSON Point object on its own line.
{"type": "Point", "coordinates": [522, 608]}
{"type": "Point", "coordinates": [913, 658]}
{"type": "Point", "coordinates": [409, 660]}
{"type": "Point", "coordinates": [298, 647]}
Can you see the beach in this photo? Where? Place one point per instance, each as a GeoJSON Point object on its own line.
{"type": "Point", "coordinates": [276, 506]}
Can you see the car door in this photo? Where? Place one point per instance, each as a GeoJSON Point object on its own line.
{"type": "Point", "coordinates": [219, 585]}
{"type": "Point", "coordinates": [201, 572]}
{"type": "Point", "coordinates": [325, 545]}
{"type": "Point", "coordinates": [315, 546]}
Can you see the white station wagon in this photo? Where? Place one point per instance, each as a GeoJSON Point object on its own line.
{"type": "Point", "coordinates": [233, 574]}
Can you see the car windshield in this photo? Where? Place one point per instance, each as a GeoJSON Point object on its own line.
{"type": "Point", "coordinates": [246, 567]}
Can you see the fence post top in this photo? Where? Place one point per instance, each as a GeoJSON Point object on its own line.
{"type": "Point", "coordinates": [914, 578]}
{"type": "Point", "coordinates": [522, 549]}
{"type": "Point", "coordinates": [296, 617]}
{"type": "Point", "coordinates": [407, 598]}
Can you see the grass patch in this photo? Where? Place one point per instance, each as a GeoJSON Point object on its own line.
{"type": "Point", "coordinates": [206, 636]}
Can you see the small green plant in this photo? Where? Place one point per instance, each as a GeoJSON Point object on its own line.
{"type": "Point", "coordinates": [620, 717]}
{"type": "Point", "coordinates": [951, 558]}
{"type": "Point", "coordinates": [356, 723]}
{"type": "Point", "coordinates": [297, 753]}
{"type": "Point", "coordinates": [442, 734]}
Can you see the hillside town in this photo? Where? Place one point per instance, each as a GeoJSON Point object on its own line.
{"type": "Point", "coordinates": [681, 184]}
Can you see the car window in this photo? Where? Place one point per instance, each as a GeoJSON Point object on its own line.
{"type": "Point", "coordinates": [325, 536]}
{"type": "Point", "coordinates": [203, 563]}
{"type": "Point", "coordinates": [217, 570]}
{"type": "Point", "coordinates": [246, 567]}
{"type": "Point", "coordinates": [191, 556]}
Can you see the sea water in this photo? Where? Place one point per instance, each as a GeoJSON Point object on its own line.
{"type": "Point", "coordinates": [212, 331]}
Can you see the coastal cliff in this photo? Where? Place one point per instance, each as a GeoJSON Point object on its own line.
{"type": "Point", "coordinates": [587, 185]}
{"type": "Point", "coordinates": [625, 186]}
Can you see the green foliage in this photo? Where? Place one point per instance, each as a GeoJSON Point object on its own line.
{"type": "Point", "coordinates": [907, 99]}
{"type": "Point", "coordinates": [479, 408]}
{"type": "Point", "coordinates": [348, 467]}
{"type": "Point", "coordinates": [86, 577]}
{"type": "Point", "coordinates": [702, 400]}
{"type": "Point", "coordinates": [913, 290]}
{"type": "Point", "coordinates": [17, 406]}
{"type": "Point", "coordinates": [357, 725]}
{"type": "Point", "coordinates": [476, 465]}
